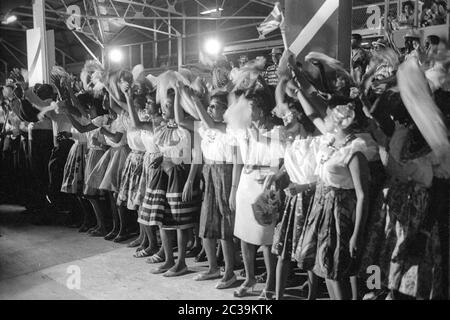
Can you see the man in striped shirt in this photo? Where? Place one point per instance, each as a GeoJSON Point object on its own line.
{"type": "Point", "coordinates": [271, 76]}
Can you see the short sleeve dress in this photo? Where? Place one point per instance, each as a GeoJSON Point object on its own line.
{"type": "Point", "coordinates": [108, 171]}
{"type": "Point", "coordinates": [261, 151]}
{"type": "Point", "coordinates": [167, 209]}
{"type": "Point", "coordinates": [219, 154]}
{"type": "Point", "coordinates": [324, 244]}
{"type": "Point", "coordinates": [300, 163]}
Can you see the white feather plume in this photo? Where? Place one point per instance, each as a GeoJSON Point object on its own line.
{"type": "Point", "coordinates": [417, 98]}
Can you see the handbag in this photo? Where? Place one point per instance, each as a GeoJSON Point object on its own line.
{"type": "Point", "coordinates": [267, 207]}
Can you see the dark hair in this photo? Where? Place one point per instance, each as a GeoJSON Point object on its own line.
{"type": "Point", "coordinates": [260, 101]}
{"type": "Point", "coordinates": [222, 97]}
{"type": "Point", "coordinates": [44, 91]}
{"type": "Point", "coordinates": [357, 36]}
{"type": "Point", "coordinates": [434, 40]}
{"type": "Point", "coordinates": [304, 120]}
{"type": "Point", "coordinates": [140, 101]}
{"type": "Point", "coordinates": [88, 101]}
{"type": "Point", "coordinates": [408, 3]}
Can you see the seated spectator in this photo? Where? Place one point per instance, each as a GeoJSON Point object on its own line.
{"type": "Point", "coordinates": [406, 18]}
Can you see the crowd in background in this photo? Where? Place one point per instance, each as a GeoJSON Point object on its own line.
{"type": "Point", "coordinates": [320, 168]}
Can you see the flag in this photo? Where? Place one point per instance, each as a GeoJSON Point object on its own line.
{"type": "Point", "coordinates": [271, 23]}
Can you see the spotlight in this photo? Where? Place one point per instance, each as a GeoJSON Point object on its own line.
{"type": "Point", "coordinates": [212, 11]}
{"type": "Point", "coordinates": [10, 19]}
{"type": "Point", "coordinates": [115, 55]}
{"type": "Point", "coordinates": [213, 47]}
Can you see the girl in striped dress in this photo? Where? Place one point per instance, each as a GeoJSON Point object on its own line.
{"type": "Point", "coordinates": [146, 124]}
{"type": "Point", "coordinates": [176, 183]}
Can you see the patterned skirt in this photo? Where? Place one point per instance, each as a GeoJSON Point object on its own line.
{"type": "Point", "coordinates": [129, 181]}
{"type": "Point", "coordinates": [92, 158]}
{"type": "Point", "coordinates": [410, 261]}
{"type": "Point", "coordinates": [290, 228]}
{"type": "Point", "coordinates": [324, 244]}
{"type": "Point", "coordinates": [73, 181]}
{"type": "Point", "coordinates": [108, 171]}
{"type": "Point", "coordinates": [217, 219]}
{"type": "Point", "coordinates": [151, 162]}
{"type": "Point", "coordinates": [163, 205]}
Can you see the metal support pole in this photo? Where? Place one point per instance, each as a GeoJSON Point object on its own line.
{"type": "Point", "coordinates": [130, 58]}
{"type": "Point", "coordinates": [155, 45]}
{"type": "Point", "coordinates": [386, 17]}
{"type": "Point", "coordinates": [170, 43]}
{"type": "Point", "coordinates": [180, 51]}
{"type": "Point", "coordinates": [86, 47]}
{"type": "Point", "coordinates": [416, 13]}
{"type": "Point", "coordinates": [142, 53]}
{"type": "Point", "coordinates": [39, 22]}
{"type": "Point", "coordinates": [12, 54]}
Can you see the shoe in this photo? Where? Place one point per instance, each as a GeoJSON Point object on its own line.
{"type": "Point", "coordinates": [226, 284]}
{"type": "Point", "coordinates": [155, 259]}
{"type": "Point", "coordinates": [267, 295]}
{"type": "Point", "coordinates": [97, 233]}
{"type": "Point", "coordinates": [135, 243]}
{"type": "Point", "coordinates": [160, 270]}
{"type": "Point", "coordinates": [242, 291]}
{"type": "Point", "coordinates": [201, 257]}
{"type": "Point", "coordinates": [194, 252]}
{"type": "Point", "coordinates": [207, 276]}
{"type": "Point", "coordinates": [122, 238]}
{"type": "Point", "coordinates": [172, 274]}
{"type": "Point", "coordinates": [83, 229]}
{"type": "Point", "coordinates": [110, 236]}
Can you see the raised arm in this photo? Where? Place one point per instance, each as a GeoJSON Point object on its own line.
{"type": "Point", "coordinates": [207, 120]}
{"type": "Point", "coordinates": [135, 121]}
{"type": "Point", "coordinates": [77, 125]}
{"type": "Point", "coordinates": [180, 118]}
{"type": "Point", "coordinates": [311, 112]}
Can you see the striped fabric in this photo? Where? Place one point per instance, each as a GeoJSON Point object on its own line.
{"type": "Point", "coordinates": [271, 76]}
{"type": "Point", "coordinates": [163, 205]}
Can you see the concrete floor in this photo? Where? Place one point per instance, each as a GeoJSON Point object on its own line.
{"type": "Point", "coordinates": [35, 263]}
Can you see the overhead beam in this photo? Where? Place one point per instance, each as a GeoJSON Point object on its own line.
{"type": "Point", "coordinates": [147, 6]}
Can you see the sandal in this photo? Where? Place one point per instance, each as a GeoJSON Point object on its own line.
{"type": "Point", "coordinates": [155, 259]}
{"type": "Point", "coordinates": [135, 243]}
{"type": "Point", "coordinates": [142, 254]}
{"type": "Point", "coordinates": [207, 276]}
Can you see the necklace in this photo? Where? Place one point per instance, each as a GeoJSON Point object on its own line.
{"type": "Point", "coordinates": [332, 149]}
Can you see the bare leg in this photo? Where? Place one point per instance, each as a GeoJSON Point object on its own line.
{"type": "Point", "coordinates": [313, 284]}
{"type": "Point", "coordinates": [99, 214]}
{"type": "Point", "coordinates": [150, 234]}
{"type": "Point", "coordinates": [281, 277]}
{"type": "Point", "coordinates": [249, 254]}
{"type": "Point", "coordinates": [182, 239]}
{"type": "Point", "coordinates": [167, 238]}
{"type": "Point", "coordinates": [210, 248]}
{"type": "Point", "coordinates": [330, 289]}
{"type": "Point", "coordinates": [355, 291]}
{"type": "Point", "coordinates": [342, 289]}
{"type": "Point", "coordinates": [228, 255]}
{"type": "Point", "coordinates": [270, 262]}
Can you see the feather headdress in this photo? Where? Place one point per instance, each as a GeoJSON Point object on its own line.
{"type": "Point", "coordinates": [416, 96]}
{"type": "Point", "coordinates": [90, 67]}
{"type": "Point", "coordinates": [171, 80]}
